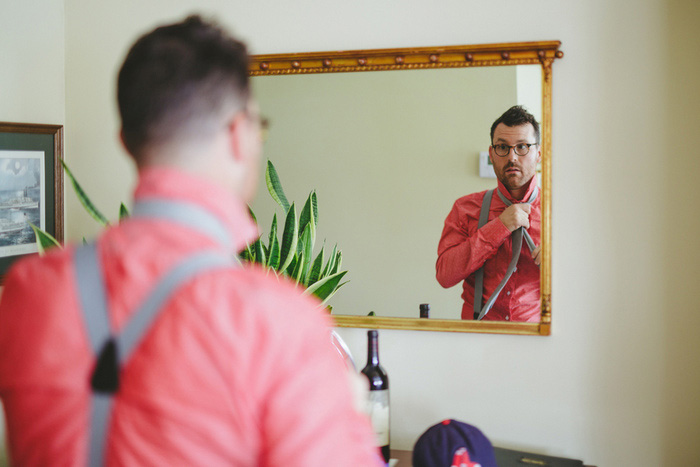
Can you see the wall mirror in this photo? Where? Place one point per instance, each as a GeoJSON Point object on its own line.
{"type": "Point", "coordinates": [389, 139]}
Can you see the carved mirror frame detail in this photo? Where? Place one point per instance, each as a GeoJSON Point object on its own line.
{"type": "Point", "coordinates": [459, 56]}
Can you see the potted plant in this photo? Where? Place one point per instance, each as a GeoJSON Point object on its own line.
{"type": "Point", "coordinates": [291, 255]}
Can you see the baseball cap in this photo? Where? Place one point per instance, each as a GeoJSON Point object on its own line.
{"type": "Point", "coordinates": [452, 443]}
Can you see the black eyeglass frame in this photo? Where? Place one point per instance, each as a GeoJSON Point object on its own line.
{"type": "Point", "coordinates": [514, 149]}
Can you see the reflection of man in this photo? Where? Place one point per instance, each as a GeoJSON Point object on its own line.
{"type": "Point", "coordinates": [477, 241]}
{"type": "Point", "coordinates": [222, 365]}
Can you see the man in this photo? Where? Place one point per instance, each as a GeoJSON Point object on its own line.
{"type": "Point", "coordinates": [236, 367]}
{"type": "Point", "coordinates": [512, 214]}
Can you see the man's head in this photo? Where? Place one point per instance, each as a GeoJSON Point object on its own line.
{"type": "Point", "coordinates": [181, 85]}
{"type": "Point", "coordinates": [515, 149]}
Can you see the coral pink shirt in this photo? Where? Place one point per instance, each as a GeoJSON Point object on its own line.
{"type": "Point", "coordinates": [464, 248]}
{"type": "Point", "coordinates": [238, 370]}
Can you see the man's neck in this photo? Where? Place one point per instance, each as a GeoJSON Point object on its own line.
{"type": "Point", "coordinates": [519, 193]}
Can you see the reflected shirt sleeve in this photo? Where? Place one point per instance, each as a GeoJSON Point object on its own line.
{"type": "Point", "coordinates": [464, 247]}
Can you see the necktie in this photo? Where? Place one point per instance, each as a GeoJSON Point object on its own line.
{"type": "Point", "coordinates": [517, 243]}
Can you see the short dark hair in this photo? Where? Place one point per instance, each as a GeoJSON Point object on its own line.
{"type": "Point", "coordinates": [516, 116]}
{"type": "Point", "coordinates": [178, 77]}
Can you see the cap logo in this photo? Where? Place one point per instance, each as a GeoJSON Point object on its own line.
{"type": "Point", "coordinates": [461, 459]}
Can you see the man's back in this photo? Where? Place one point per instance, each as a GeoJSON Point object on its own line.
{"type": "Point", "coordinates": [222, 377]}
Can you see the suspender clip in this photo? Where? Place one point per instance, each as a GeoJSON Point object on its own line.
{"type": "Point", "coordinates": [105, 377]}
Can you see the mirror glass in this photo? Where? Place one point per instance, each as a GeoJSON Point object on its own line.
{"type": "Point", "coordinates": [388, 153]}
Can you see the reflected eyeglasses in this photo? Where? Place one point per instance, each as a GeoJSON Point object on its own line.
{"type": "Point", "coordinates": [521, 149]}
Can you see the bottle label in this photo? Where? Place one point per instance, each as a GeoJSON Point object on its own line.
{"type": "Point", "coordinates": [378, 411]}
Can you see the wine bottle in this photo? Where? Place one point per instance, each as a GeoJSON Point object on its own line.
{"type": "Point", "coordinates": [424, 310]}
{"type": "Point", "coordinates": [378, 398]}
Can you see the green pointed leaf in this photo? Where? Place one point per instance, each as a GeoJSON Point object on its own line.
{"type": "Point", "coordinates": [252, 215]}
{"type": "Point", "coordinates": [314, 203]}
{"type": "Point", "coordinates": [273, 259]}
{"type": "Point", "coordinates": [259, 252]}
{"type": "Point", "coordinates": [298, 268]}
{"type": "Point", "coordinates": [331, 262]}
{"type": "Point", "coordinates": [316, 267]}
{"type": "Point", "coordinates": [273, 229]}
{"type": "Point", "coordinates": [325, 300]}
{"type": "Point", "coordinates": [274, 186]}
{"type": "Point", "coordinates": [292, 267]}
{"type": "Point", "coordinates": [272, 249]}
{"type": "Point", "coordinates": [309, 216]}
{"type": "Point", "coordinates": [84, 199]}
{"type": "Point", "coordinates": [245, 255]}
{"type": "Point", "coordinates": [327, 286]}
{"type": "Point", "coordinates": [123, 212]}
{"type": "Point", "coordinates": [290, 238]}
{"type": "Point", "coordinates": [306, 252]}
{"type": "Point", "coordinates": [44, 240]}
{"type": "Point", "coordinates": [251, 254]}
{"type": "Point", "coordinates": [338, 262]}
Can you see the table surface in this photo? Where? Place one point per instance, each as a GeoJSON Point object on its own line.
{"type": "Point", "coordinates": [405, 458]}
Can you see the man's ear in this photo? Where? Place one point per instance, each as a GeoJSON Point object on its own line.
{"type": "Point", "coordinates": [236, 134]}
{"type": "Point", "coordinates": [539, 153]}
{"type": "Point", "coordinates": [491, 155]}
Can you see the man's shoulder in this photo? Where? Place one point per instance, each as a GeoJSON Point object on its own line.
{"type": "Point", "coordinates": [470, 200]}
{"type": "Point", "coordinates": [268, 296]}
{"type": "Point", "coordinates": [44, 269]}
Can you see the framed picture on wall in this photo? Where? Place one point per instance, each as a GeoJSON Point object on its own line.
{"type": "Point", "coordinates": [31, 188]}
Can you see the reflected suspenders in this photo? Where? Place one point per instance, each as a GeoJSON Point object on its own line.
{"type": "Point", "coordinates": [517, 244]}
{"type": "Point", "coordinates": [113, 350]}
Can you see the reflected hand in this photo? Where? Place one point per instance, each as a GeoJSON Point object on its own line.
{"type": "Point", "coordinates": [537, 254]}
{"type": "Point", "coordinates": [516, 216]}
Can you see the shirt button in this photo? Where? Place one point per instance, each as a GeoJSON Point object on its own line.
{"type": "Point", "coordinates": [507, 318]}
{"type": "Point", "coordinates": [508, 293]}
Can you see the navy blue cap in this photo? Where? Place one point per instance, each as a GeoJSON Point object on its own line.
{"type": "Point", "coordinates": [453, 443]}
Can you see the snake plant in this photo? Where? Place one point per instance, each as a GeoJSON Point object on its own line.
{"type": "Point", "coordinates": [291, 256]}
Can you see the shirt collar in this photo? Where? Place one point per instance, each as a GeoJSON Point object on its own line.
{"type": "Point", "coordinates": [530, 188]}
{"type": "Point", "coordinates": [174, 184]}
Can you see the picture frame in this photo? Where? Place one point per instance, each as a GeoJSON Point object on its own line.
{"type": "Point", "coordinates": [31, 188]}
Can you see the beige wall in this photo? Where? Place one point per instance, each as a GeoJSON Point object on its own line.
{"type": "Point", "coordinates": [617, 382]}
{"type": "Point", "coordinates": [32, 72]}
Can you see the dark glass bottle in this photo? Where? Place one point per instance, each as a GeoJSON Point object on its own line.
{"type": "Point", "coordinates": [378, 399]}
{"type": "Point", "coordinates": [424, 310]}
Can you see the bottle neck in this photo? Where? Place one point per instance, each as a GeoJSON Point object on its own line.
{"type": "Point", "coordinates": [372, 350]}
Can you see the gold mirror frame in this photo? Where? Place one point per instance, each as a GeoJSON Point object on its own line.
{"type": "Point", "coordinates": [461, 56]}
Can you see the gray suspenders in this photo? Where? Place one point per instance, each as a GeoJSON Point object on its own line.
{"type": "Point", "coordinates": [113, 351]}
{"type": "Point", "coordinates": [517, 244]}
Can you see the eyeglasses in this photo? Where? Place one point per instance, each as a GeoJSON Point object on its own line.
{"type": "Point", "coordinates": [264, 127]}
{"type": "Point", "coordinates": [521, 149]}
{"type": "Point", "coordinates": [255, 117]}
{"type": "Point", "coordinates": [262, 122]}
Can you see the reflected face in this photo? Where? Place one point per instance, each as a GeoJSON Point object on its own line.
{"type": "Point", "coordinates": [515, 171]}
